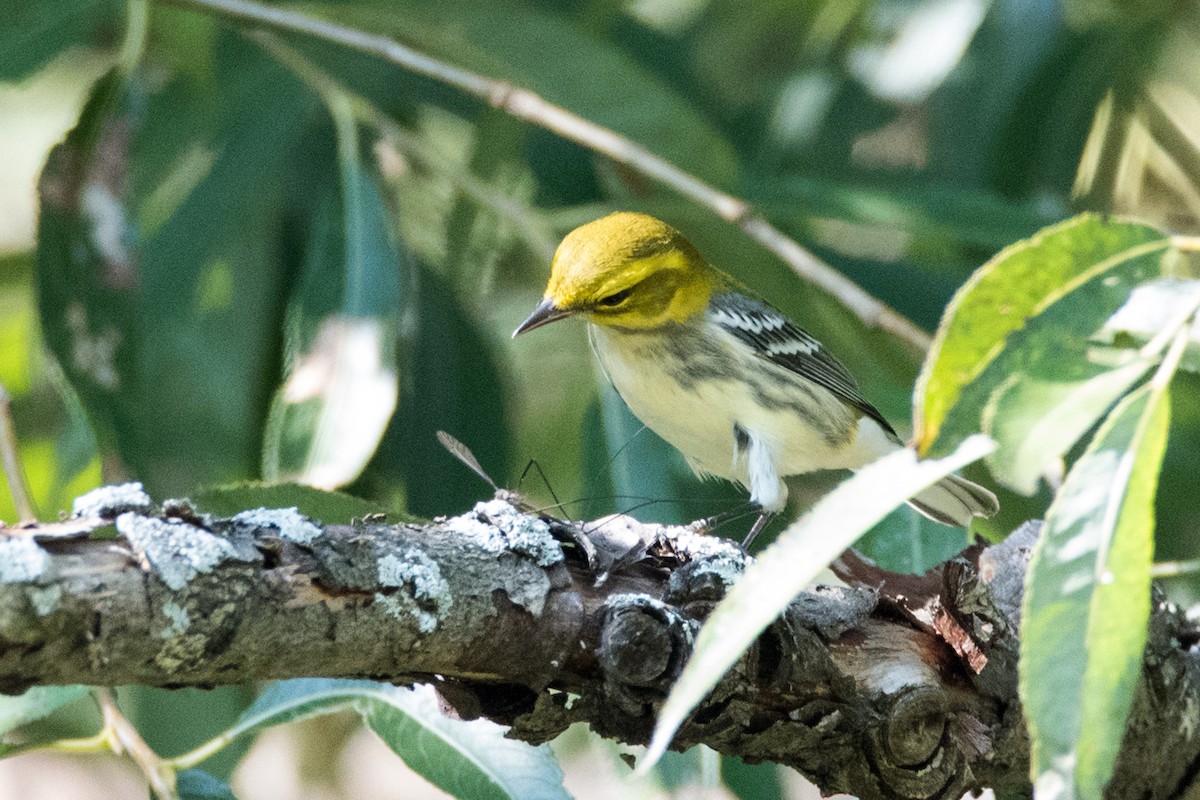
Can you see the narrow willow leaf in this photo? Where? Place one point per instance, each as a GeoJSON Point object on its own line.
{"type": "Point", "coordinates": [467, 759]}
{"type": "Point", "coordinates": [343, 383]}
{"type": "Point", "coordinates": [1036, 421]}
{"type": "Point", "coordinates": [1087, 602]}
{"type": "Point", "coordinates": [788, 565]}
{"type": "Point", "coordinates": [159, 277]}
{"type": "Point", "coordinates": [1090, 262]}
{"type": "Point", "coordinates": [1150, 311]}
{"type": "Point", "coordinates": [37, 31]}
{"type": "Point", "coordinates": [35, 704]}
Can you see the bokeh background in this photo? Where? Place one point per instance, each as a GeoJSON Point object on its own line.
{"type": "Point", "coordinates": [295, 262]}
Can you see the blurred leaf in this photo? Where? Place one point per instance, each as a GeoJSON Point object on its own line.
{"type": "Point", "coordinates": [159, 262]}
{"type": "Point", "coordinates": [782, 570]}
{"type": "Point", "coordinates": [1151, 309]}
{"type": "Point", "coordinates": [929, 225]}
{"type": "Point", "coordinates": [466, 759]}
{"type": "Point", "coordinates": [456, 384]}
{"type": "Point", "coordinates": [194, 784]}
{"type": "Point", "coordinates": [544, 52]}
{"type": "Point", "coordinates": [36, 703]}
{"type": "Point", "coordinates": [1087, 601]}
{"type": "Point", "coordinates": [906, 541]}
{"type": "Point", "coordinates": [328, 507]}
{"type": "Point", "coordinates": [1034, 304]}
{"type": "Point", "coordinates": [41, 29]}
{"type": "Point", "coordinates": [341, 390]}
{"type": "Point", "coordinates": [157, 714]}
{"type": "Point", "coordinates": [57, 446]}
{"type": "Point", "coordinates": [1035, 422]}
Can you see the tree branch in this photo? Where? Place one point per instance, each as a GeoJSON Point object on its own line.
{"type": "Point", "coordinates": [530, 107]}
{"type": "Point", "coordinates": [897, 686]}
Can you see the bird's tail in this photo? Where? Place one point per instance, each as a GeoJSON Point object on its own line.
{"type": "Point", "coordinates": [954, 500]}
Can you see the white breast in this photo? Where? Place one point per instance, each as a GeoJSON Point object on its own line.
{"type": "Point", "coordinates": [700, 419]}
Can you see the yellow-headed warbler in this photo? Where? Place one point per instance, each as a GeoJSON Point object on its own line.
{"type": "Point", "coordinates": [737, 387]}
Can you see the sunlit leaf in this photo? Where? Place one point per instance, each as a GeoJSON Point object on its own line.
{"type": "Point", "coordinates": [787, 566]}
{"type": "Point", "coordinates": [1036, 303]}
{"type": "Point", "coordinates": [343, 382]}
{"type": "Point", "coordinates": [1152, 308]}
{"type": "Point", "coordinates": [1087, 601]}
{"type": "Point", "coordinates": [1035, 421]}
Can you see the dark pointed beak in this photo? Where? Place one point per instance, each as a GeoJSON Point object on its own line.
{"type": "Point", "coordinates": [544, 314]}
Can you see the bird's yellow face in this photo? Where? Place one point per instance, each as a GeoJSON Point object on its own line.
{"type": "Point", "coordinates": [625, 270]}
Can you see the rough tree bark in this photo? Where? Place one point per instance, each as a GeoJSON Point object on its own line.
{"type": "Point", "coordinates": [897, 686]}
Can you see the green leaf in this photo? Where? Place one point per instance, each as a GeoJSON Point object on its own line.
{"type": "Point", "coordinates": [1150, 310]}
{"type": "Point", "coordinates": [1030, 302]}
{"type": "Point", "coordinates": [467, 759]}
{"type": "Point", "coordinates": [36, 703]}
{"type": "Point", "coordinates": [194, 784]}
{"type": "Point", "coordinates": [342, 386]}
{"type": "Point", "coordinates": [552, 56]}
{"type": "Point", "coordinates": [1035, 421]}
{"type": "Point", "coordinates": [788, 565]}
{"type": "Point", "coordinates": [459, 387]}
{"type": "Point", "coordinates": [160, 261]}
{"type": "Point", "coordinates": [906, 541]}
{"type": "Point", "coordinates": [35, 31]}
{"type": "Point", "coordinates": [330, 507]}
{"type": "Point", "coordinates": [1087, 601]}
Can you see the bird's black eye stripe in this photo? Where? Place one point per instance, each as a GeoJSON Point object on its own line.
{"type": "Point", "coordinates": [615, 299]}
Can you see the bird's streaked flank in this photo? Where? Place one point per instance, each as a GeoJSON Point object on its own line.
{"type": "Point", "coordinates": [738, 388]}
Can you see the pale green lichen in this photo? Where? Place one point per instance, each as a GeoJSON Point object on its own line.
{"type": "Point", "coordinates": [177, 551]}
{"type": "Point", "coordinates": [291, 524]}
{"type": "Point", "coordinates": [21, 560]}
{"type": "Point", "coordinates": [498, 527]}
{"type": "Point", "coordinates": [108, 501]}
{"type": "Point", "coordinates": [430, 598]}
{"type": "Point", "coordinates": [177, 620]}
{"type": "Point", "coordinates": [45, 599]}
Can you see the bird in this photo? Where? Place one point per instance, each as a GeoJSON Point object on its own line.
{"type": "Point", "coordinates": [739, 389]}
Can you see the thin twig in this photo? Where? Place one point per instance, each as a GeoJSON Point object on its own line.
{"type": "Point", "coordinates": [124, 738]}
{"type": "Point", "coordinates": [528, 106]}
{"type": "Point", "coordinates": [18, 486]}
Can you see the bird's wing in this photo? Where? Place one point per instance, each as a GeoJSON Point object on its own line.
{"type": "Point", "coordinates": [779, 340]}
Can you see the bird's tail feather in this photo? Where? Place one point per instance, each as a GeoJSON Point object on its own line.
{"type": "Point", "coordinates": [954, 501]}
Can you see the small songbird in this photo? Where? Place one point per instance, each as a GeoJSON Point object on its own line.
{"type": "Point", "coordinates": [738, 388]}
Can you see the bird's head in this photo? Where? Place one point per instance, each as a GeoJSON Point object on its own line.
{"type": "Point", "coordinates": [625, 270]}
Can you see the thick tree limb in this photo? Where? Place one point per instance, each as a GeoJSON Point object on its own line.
{"type": "Point", "coordinates": [898, 687]}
